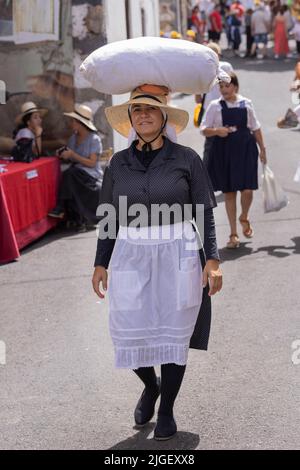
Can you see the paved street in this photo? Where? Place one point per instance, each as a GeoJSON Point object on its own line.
{"type": "Point", "coordinates": [59, 388]}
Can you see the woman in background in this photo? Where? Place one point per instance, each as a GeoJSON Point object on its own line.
{"type": "Point", "coordinates": [29, 126]}
{"type": "Point", "coordinates": [232, 163]}
{"type": "Point", "coordinates": [81, 183]}
{"type": "Point", "coordinates": [280, 29]}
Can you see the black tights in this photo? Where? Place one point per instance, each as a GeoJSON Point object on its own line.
{"type": "Point", "coordinates": [171, 379]}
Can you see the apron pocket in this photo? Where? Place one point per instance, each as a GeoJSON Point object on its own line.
{"type": "Point", "coordinates": [189, 291]}
{"type": "Point", "coordinates": [125, 292]}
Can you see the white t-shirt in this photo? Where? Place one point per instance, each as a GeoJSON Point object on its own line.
{"type": "Point", "coordinates": [213, 115]}
{"type": "Point", "coordinates": [24, 133]}
{"type": "Point", "coordinates": [296, 31]}
{"type": "Point", "coordinates": [91, 144]}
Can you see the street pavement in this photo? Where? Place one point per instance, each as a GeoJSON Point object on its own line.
{"type": "Point", "coordinates": [59, 388]}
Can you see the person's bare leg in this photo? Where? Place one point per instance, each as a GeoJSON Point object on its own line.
{"type": "Point", "coordinates": [246, 201]}
{"type": "Point", "coordinates": [253, 49]}
{"type": "Point", "coordinates": [230, 204]}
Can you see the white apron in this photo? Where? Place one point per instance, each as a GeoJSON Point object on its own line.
{"type": "Point", "coordinates": [155, 293]}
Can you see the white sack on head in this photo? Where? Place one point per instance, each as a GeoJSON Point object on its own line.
{"type": "Point", "coordinates": [180, 65]}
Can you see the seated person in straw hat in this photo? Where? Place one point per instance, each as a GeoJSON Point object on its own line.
{"type": "Point", "coordinates": [292, 116]}
{"type": "Point", "coordinates": [81, 182]}
{"type": "Point", "coordinates": [29, 126]}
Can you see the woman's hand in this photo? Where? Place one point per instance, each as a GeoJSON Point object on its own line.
{"type": "Point", "coordinates": [67, 154]}
{"type": "Point", "coordinates": [212, 274]}
{"type": "Point", "coordinates": [263, 156]}
{"type": "Point", "coordinates": [100, 275]}
{"type": "Point", "coordinates": [222, 131]}
{"type": "Point", "coordinates": [38, 130]}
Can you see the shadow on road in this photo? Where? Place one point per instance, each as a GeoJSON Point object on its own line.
{"type": "Point", "coordinates": [58, 233]}
{"type": "Point", "coordinates": [141, 441]}
{"type": "Point", "coordinates": [233, 254]}
{"type": "Point", "coordinates": [279, 251]}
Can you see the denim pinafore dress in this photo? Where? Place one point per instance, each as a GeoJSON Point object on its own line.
{"type": "Point", "coordinates": [233, 160]}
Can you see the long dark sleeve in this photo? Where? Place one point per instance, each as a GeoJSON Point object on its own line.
{"type": "Point", "coordinates": [104, 250]}
{"type": "Point", "coordinates": [210, 242]}
{"type": "Point", "coordinates": [105, 246]}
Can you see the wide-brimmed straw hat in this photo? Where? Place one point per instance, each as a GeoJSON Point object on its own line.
{"type": "Point", "coordinates": [28, 108]}
{"type": "Point", "coordinates": [83, 114]}
{"type": "Point", "coordinates": [152, 95]}
{"type": "Point", "coordinates": [191, 33]}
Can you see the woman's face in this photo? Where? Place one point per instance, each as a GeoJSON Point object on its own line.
{"type": "Point", "coordinates": [228, 90]}
{"type": "Point", "coordinates": [76, 126]}
{"type": "Point", "coordinates": [146, 120]}
{"type": "Point", "coordinates": [34, 121]}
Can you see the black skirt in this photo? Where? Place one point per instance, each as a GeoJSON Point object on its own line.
{"type": "Point", "coordinates": [79, 194]}
{"type": "Point", "coordinates": [200, 337]}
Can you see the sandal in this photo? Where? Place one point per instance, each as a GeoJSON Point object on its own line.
{"type": "Point", "coordinates": [234, 241]}
{"type": "Point", "coordinates": [248, 231]}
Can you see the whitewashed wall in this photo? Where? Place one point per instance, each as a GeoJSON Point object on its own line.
{"type": "Point", "coordinates": [116, 30]}
{"type": "Point", "coordinates": [151, 10]}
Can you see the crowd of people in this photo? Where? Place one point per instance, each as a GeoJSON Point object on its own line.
{"type": "Point", "coordinates": [260, 20]}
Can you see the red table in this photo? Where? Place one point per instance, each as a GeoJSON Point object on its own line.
{"type": "Point", "coordinates": [27, 192]}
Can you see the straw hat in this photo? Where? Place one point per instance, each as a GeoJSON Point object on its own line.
{"type": "Point", "coordinates": [175, 35]}
{"type": "Point", "coordinates": [191, 33]}
{"type": "Point", "coordinates": [215, 47]}
{"type": "Point", "coordinates": [152, 95]}
{"type": "Point", "coordinates": [83, 114]}
{"type": "Point", "coordinates": [28, 108]}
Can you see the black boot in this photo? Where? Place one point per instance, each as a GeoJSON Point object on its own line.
{"type": "Point", "coordinates": [171, 379]}
{"type": "Point", "coordinates": [57, 213]}
{"type": "Point", "coordinates": [144, 410]}
{"type": "Point", "coordinates": [166, 428]}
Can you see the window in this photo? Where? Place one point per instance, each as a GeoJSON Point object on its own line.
{"type": "Point", "coordinates": [127, 13]}
{"type": "Point", "coordinates": [2, 92]}
{"type": "Point", "coordinates": [143, 20]}
{"type": "Point", "coordinates": [6, 20]}
{"type": "Point", "coordinates": [25, 21]}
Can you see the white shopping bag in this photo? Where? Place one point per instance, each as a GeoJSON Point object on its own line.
{"type": "Point", "coordinates": [297, 174]}
{"type": "Point", "coordinates": [274, 196]}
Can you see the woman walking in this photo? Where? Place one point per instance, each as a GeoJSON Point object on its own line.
{"type": "Point", "coordinates": [234, 155]}
{"type": "Point", "coordinates": [280, 29]}
{"type": "Point", "coordinates": [155, 281]}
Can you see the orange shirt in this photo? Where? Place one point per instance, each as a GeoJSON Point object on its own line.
{"type": "Point", "coordinates": [239, 8]}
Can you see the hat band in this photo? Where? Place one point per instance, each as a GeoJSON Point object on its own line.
{"type": "Point", "coordinates": [30, 110]}
{"type": "Point", "coordinates": [147, 96]}
{"type": "Point", "coordinates": [84, 117]}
